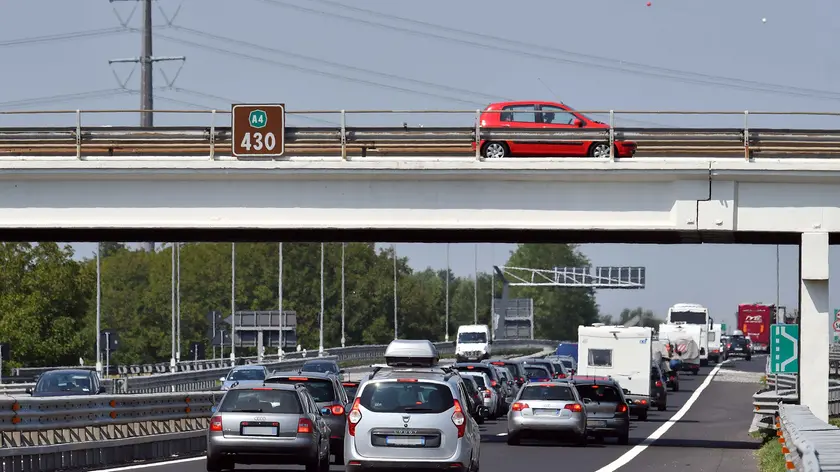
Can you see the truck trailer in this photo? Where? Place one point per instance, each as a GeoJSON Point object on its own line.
{"type": "Point", "coordinates": [754, 319]}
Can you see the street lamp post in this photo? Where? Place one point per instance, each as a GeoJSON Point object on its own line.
{"type": "Point", "coordinates": [98, 310]}
{"type": "Point", "coordinates": [343, 247]}
{"type": "Point", "coordinates": [321, 322]}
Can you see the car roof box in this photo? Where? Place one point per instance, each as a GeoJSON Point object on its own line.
{"type": "Point", "coordinates": [411, 353]}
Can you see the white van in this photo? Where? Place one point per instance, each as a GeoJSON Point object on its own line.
{"type": "Point", "coordinates": [623, 353]}
{"type": "Point", "coordinates": [473, 343]}
{"type": "Point", "coordinates": [715, 346]}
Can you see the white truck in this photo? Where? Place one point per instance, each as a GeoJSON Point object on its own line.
{"type": "Point", "coordinates": [693, 314]}
{"type": "Point", "coordinates": [473, 343]}
{"type": "Point", "coordinates": [682, 343]}
{"type": "Point", "coordinates": [623, 353]}
{"type": "Point", "coordinates": [715, 347]}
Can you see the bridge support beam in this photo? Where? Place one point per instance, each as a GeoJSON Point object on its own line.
{"type": "Point", "coordinates": [813, 323]}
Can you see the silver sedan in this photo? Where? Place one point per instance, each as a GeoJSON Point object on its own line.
{"type": "Point", "coordinates": [547, 409]}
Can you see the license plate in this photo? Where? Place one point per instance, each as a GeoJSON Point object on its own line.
{"type": "Point", "coordinates": [259, 430]}
{"type": "Point", "coordinates": [403, 441]}
{"type": "Point", "coordinates": [739, 349]}
{"type": "Point", "coordinates": [596, 424]}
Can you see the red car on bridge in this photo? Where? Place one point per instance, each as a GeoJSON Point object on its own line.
{"type": "Point", "coordinates": [545, 115]}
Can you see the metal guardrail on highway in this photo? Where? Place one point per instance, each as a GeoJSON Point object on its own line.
{"type": "Point", "coordinates": [53, 433]}
{"type": "Point", "coordinates": [213, 140]}
{"type": "Point", "coordinates": [808, 444]}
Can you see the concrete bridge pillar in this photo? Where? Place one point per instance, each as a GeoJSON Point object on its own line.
{"type": "Point", "coordinates": [813, 323]}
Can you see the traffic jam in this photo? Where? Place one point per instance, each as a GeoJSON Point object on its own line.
{"type": "Point", "coordinates": [414, 412]}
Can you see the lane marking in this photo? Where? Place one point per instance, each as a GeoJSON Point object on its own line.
{"type": "Point", "coordinates": [632, 453]}
{"type": "Point", "coordinates": [154, 464]}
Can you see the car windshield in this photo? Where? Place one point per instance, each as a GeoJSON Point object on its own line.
{"type": "Point", "coordinates": [321, 389]}
{"type": "Point", "coordinates": [536, 372]}
{"type": "Point", "coordinates": [599, 393]}
{"type": "Point", "coordinates": [547, 393]}
{"type": "Point", "coordinates": [247, 374]}
{"type": "Point", "coordinates": [324, 367]}
{"type": "Point", "coordinates": [261, 401]}
{"type": "Point", "coordinates": [407, 397]}
{"type": "Point", "coordinates": [479, 380]}
{"type": "Point", "coordinates": [64, 382]}
{"type": "Point", "coordinates": [472, 338]}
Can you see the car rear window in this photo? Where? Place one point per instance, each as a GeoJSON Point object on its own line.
{"type": "Point", "coordinates": [321, 389]}
{"type": "Point", "coordinates": [567, 364]}
{"type": "Point", "coordinates": [548, 366]}
{"type": "Point", "coordinates": [350, 388]}
{"type": "Point", "coordinates": [485, 369]}
{"type": "Point", "coordinates": [599, 393]}
{"type": "Point", "coordinates": [548, 393]}
{"type": "Point", "coordinates": [247, 374]}
{"type": "Point", "coordinates": [538, 372]}
{"type": "Point", "coordinates": [479, 380]}
{"type": "Point", "coordinates": [514, 368]}
{"type": "Point", "coordinates": [261, 401]}
{"type": "Point", "coordinates": [406, 397]}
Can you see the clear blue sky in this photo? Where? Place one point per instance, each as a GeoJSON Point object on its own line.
{"type": "Point", "coordinates": [697, 55]}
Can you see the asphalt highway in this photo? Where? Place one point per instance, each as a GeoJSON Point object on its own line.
{"type": "Point", "coordinates": [710, 436]}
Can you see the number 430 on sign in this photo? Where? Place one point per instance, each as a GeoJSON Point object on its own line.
{"type": "Point", "coordinates": [260, 142]}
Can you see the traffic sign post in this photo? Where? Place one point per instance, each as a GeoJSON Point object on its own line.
{"type": "Point", "coordinates": [784, 349]}
{"type": "Point", "coordinates": [258, 130]}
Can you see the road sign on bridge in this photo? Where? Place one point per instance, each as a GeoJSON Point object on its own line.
{"type": "Point", "coordinates": [784, 349]}
{"type": "Point", "coordinates": [258, 130]}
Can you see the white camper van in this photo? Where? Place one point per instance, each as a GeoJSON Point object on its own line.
{"type": "Point", "coordinates": [715, 347]}
{"type": "Point", "coordinates": [623, 353]}
{"type": "Point", "coordinates": [693, 314]}
{"type": "Point", "coordinates": [473, 343]}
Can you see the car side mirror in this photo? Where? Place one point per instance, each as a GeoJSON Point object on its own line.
{"type": "Point", "coordinates": [341, 371]}
{"type": "Point", "coordinates": [587, 401]}
{"type": "Point", "coordinates": [577, 123]}
{"type": "Point", "coordinates": [101, 389]}
{"type": "Point", "coordinates": [29, 390]}
{"type": "Point", "coordinates": [326, 411]}
{"type": "Point", "coordinates": [626, 392]}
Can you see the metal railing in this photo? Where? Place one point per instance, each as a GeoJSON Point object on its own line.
{"type": "Point", "coordinates": [213, 139]}
{"type": "Point", "coordinates": [808, 444]}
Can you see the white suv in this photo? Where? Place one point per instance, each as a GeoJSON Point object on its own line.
{"type": "Point", "coordinates": [411, 414]}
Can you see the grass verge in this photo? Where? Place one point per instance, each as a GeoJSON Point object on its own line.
{"type": "Point", "coordinates": [770, 457]}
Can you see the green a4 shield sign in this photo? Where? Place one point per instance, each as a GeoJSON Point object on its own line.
{"type": "Point", "coordinates": [258, 119]}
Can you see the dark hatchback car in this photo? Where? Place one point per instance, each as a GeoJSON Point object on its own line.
{"type": "Point", "coordinates": [515, 367]}
{"type": "Point", "coordinates": [537, 373]}
{"type": "Point", "coordinates": [607, 413]}
{"type": "Point", "coordinates": [495, 381]}
{"type": "Point", "coordinates": [739, 346]}
{"type": "Point", "coordinates": [67, 382]}
{"type": "Point", "coordinates": [658, 388]}
{"type": "Point", "coordinates": [322, 366]}
{"type": "Point", "coordinates": [330, 397]}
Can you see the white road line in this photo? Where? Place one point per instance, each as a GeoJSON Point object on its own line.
{"type": "Point", "coordinates": [155, 464]}
{"type": "Point", "coordinates": [632, 453]}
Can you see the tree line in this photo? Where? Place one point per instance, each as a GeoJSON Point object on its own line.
{"type": "Point", "coordinates": [48, 296]}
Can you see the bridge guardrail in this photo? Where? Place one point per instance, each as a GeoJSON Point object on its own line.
{"type": "Point", "coordinates": [808, 444]}
{"type": "Point", "coordinates": [744, 139]}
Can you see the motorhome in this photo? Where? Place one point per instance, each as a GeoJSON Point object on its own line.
{"type": "Point", "coordinates": [696, 315]}
{"type": "Point", "coordinates": [473, 343]}
{"type": "Point", "coordinates": [681, 341]}
{"type": "Point", "coordinates": [623, 353]}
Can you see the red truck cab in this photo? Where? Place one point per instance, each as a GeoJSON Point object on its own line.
{"type": "Point", "coordinates": [754, 319]}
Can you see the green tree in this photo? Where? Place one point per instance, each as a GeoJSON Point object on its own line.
{"type": "Point", "coordinates": [43, 299]}
{"type": "Point", "coordinates": [558, 311]}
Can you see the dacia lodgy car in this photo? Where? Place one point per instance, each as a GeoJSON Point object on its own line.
{"type": "Point", "coordinates": [411, 414]}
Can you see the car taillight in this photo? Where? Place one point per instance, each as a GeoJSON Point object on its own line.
{"type": "Point", "coordinates": [337, 410]}
{"type": "Point", "coordinates": [728, 346]}
{"type": "Point", "coordinates": [621, 408]}
{"type": "Point", "coordinates": [354, 417]}
{"type": "Point", "coordinates": [561, 376]}
{"type": "Point", "coordinates": [487, 394]}
{"type": "Point", "coordinates": [659, 383]}
{"type": "Point", "coordinates": [521, 379]}
{"type": "Point", "coordinates": [519, 406]}
{"type": "Point", "coordinates": [493, 383]}
{"type": "Point", "coordinates": [216, 423]}
{"type": "Point", "coordinates": [575, 407]}
{"type": "Point", "coordinates": [672, 378]}
{"type": "Point", "coordinates": [459, 420]}
{"type": "Point", "coordinates": [304, 426]}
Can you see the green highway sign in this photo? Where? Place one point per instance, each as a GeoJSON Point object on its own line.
{"type": "Point", "coordinates": [257, 119]}
{"type": "Point", "coordinates": [784, 349]}
{"type": "Point", "coordinates": [723, 328]}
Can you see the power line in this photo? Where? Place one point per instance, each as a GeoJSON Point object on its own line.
{"type": "Point", "coordinates": [346, 78]}
{"type": "Point", "coordinates": [625, 67]}
{"type": "Point", "coordinates": [494, 98]}
{"type": "Point", "coordinates": [231, 101]}
{"type": "Point", "coordinates": [67, 36]}
{"type": "Point", "coordinates": [64, 98]}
